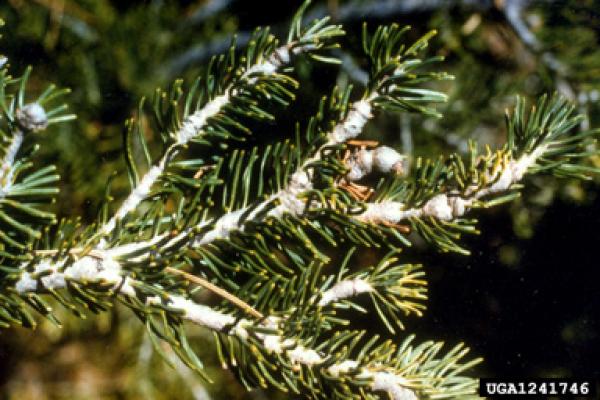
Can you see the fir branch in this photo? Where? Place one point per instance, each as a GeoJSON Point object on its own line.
{"type": "Point", "coordinates": [392, 288]}
{"type": "Point", "coordinates": [537, 142]}
{"type": "Point", "coordinates": [300, 40]}
{"type": "Point", "coordinates": [100, 268]}
{"type": "Point", "coordinates": [288, 200]}
{"type": "Point", "coordinates": [345, 289]}
{"type": "Point", "coordinates": [23, 193]}
{"type": "Point", "coordinates": [280, 328]}
{"type": "Point", "coordinates": [396, 58]}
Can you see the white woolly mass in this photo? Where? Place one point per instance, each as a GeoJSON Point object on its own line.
{"type": "Point", "coordinates": [390, 212]}
{"type": "Point", "coordinates": [125, 287]}
{"type": "Point", "coordinates": [387, 159]}
{"type": "Point", "coordinates": [91, 269]}
{"type": "Point", "coordinates": [124, 249]}
{"type": "Point", "coordinates": [345, 289]}
{"type": "Point", "coordinates": [266, 68]}
{"type": "Point", "coordinates": [304, 356]}
{"type": "Point", "coordinates": [393, 384]}
{"type": "Point", "coordinates": [446, 208]}
{"type": "Point", "coordinates": [275, 343]}
{"type": "Point", "coordinates": [194, 123]}
{"type": "Point", "coordinates": [383, 159]}
{"type": "Point", "coordinates": [299, 182]}
{"type": "Point", "coordinates": [225, 224]}
{"type": "Point", "coordinates": [12, 150]}
{"type": "Point", "coordinates": [439, 207]}
{"type": "Point", "coordinates": [342, 368]}
{"type": "Point", "coordinates": [197, 313]}
{"type": "Point", "coordinates": [354, 123]}
{"type": "Point", "coordinates": [283, 56]}
{"type": "Point", "coordinates": [141, 191]}
{"type": "Point", "coordinates": [278, 58]}
{"type": "Point", "coordinates": [239, 329]}
{"type": "Point", "coordinates": [304, 48]}
{"type": "Point", "coordinates": [6, 169]}
{"type": "Point", "coordinates": [26, 283]}
{"type": "Point", "coordinates": [288, 204]}
{"type": "Point", "coordinates": [86, 269]}
{"type": "Point", "coordinates": [223, 227]}
{"type": "Point", "coordinates": [55, 279]}
{"type": "Point", "coordinates": [504, 182]}
{"type": "Point", "coordinates": [360, 165]}
{"type": "Point", "coordinates": [356, 172]}
{"type": "Point", "coordinates": [514, 172]}
{"type": "Point", "coordinates": [459, 205]}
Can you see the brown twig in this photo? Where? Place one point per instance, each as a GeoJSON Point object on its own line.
{"type": "Point", "coordinates": [216, 290]}
{"type": "Point", "coordinates": [75, 251]}
{"type": "Point", "coordinates": [363, 143]}
{"type": "Point", "coordinates": [201, 171]}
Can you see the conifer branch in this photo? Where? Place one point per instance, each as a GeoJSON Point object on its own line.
{"type": "Point", "coordinates": [376, 376]}
{"type": "Point", "coordinates": [299, 41]}
{"type": "Point", "coordinates": [22, 193]}
{"type": "Point", "coordinates": [537, 142]}
{"type": "Point", "coordinates": [447, 207]}
{"type": "Point", "coordinates": [286, 199]}
{"type": "Point", "coordinates": [258, 227]}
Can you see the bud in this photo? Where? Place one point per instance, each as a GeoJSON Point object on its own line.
{"type": "Point", "coordinates": [32, 117]}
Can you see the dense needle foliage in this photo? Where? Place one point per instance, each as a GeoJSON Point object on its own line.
{"type": "Point", "coordinates": [255, 229]}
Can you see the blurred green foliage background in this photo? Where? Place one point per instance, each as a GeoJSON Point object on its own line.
{"type": "Point", "coordinates": [525, 299]}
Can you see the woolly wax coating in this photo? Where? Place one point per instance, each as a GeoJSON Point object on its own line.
{"type": "Point", "coordinates": [32, 117]}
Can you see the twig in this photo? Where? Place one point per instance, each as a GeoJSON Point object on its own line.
{"type": "Point", "coordinates": [75, 251]}
{"type": "Point", "coordinates": [216, 290]}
